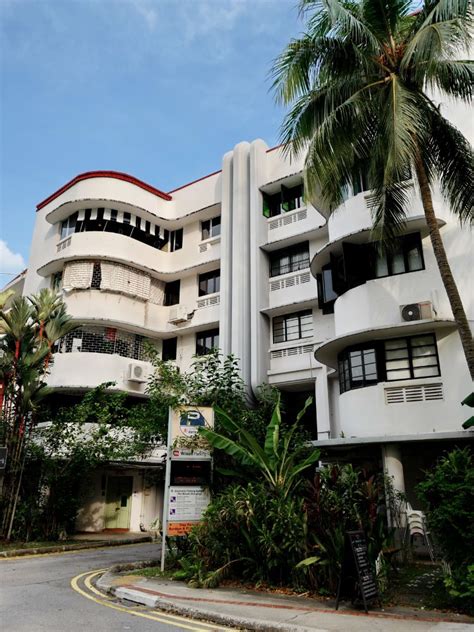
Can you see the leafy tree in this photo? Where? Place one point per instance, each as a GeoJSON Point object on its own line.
{"type": "Point", "coordinates": [30, 327]}
{"type": "Point", "coordinates": [67, 450]}
{"type": "Point", "coordinates": [448, 493]}
{"type": "Point", "coordinates": [360, 83]}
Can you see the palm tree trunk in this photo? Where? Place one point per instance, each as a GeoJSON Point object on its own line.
{"type": "Point", "coordinates": [444, 267]}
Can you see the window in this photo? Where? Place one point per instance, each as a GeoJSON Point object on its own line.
{"type": "Point", "coordinates": [107, 340]}
{"type": "Point", "coordinates": [172, 293]}
{"type": "Point", "coordinates": [293, 326]}
{"type": "Point", "coordinates": [409, 358]}
{"type": "Point", "coordinates": [176, 239]}
{"type": "Point", "coordinates": [209, 282]}
{"type": "Point", "coordinates": [68, 226]}
{"type": "Point", "coordinates": [357, 368]}
{"type": "Point", "coordinates": [406, 256]}
{"type": "Point", "coordinates": [287, 199]}
{"type": "Point", "coordinates": [96, 276]}
{"type": "Point", "coordinates": [169, 349]}
{"type": "Point", "coordinates": [206, 341]}
{"type": "Point", "coordinates": [359, 263]}
{"type": "Point", "coordinates": [110, 220]}
{"type": "Point", "coordinates": [289, 259]}
{"type": "Point", "coordinates": [211, 228]}
{"type": "Point", "coordinates": [326, 293]}
{"type": "Point", "coordinates": [390, 360]}
{"type": "Point", "coordinates": [57, 281]}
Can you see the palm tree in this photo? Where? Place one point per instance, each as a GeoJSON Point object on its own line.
{"type": "Point", "coordinates": [30, 327]}
{"type": "Point", "coordinates": [360, 83]}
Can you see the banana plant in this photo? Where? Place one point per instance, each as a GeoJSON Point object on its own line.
{"type": "Point", "coordinates": [278, 463]}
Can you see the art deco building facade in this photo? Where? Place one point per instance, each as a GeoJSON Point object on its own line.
{"type": "Point", "coordinates": [238, 260]}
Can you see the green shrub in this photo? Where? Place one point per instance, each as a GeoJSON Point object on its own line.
{"type": "Point", "coordinates": [448, 493]}
{"type": "Point", "coordinates": [251, 533]}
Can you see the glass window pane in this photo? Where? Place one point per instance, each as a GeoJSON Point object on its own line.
{"type": "Point", "coordinates": [426, 371]}
{"type": "Point", "coordinates": [381, 265]}
{"type": "Point", "coordinates": [417, 341]}
{"type": "Point", "coordinates": [423, 351]}
{"type": "Point", "coordinates": [397, 364]}
{"type": "Point", "coordinates": [398, 343]}
{"type": "Point", "coordinates": [428, 361]}
{"type": "Point", "coordinates": [398, 375]}
{"type": "Point", "coordinates": [369, 355]}
{"type": "Point", "coordinates": [357, 373]}
{"type": "Point", "coordinates": [371, 372]}
{"type": "Point", "coordinates": [398, 262]}
{"type": "Point", "coordinates": [415, 261]}
{"type": "Point", "coordinates": [396, 354]}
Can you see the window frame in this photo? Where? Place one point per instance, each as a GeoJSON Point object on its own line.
{"type": "Point", "coordinates": [294, 265]}
{"type": "Point", "coordinates": [284, 320]}
{"type": "Point", "coordinates": [171, 298]}
{"type": "Point", "coordinates": [201, 349]}
{"type": "Point", "coordinates": [382, 371]}
{"type": "Point", "coordinates": [205, 277]}
{"type": "Point", "coordinates": [212, 226]}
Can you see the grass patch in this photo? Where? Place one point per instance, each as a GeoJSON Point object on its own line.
{"type": "Point", "coordinates": [154, 571]}
{"type": "Point", "coordinates": [16, 546]}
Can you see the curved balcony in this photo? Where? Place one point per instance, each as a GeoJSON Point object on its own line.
{"type": "Point", "coordinates": [355, 214]}
{"type": "Point", "coordinates": [123, 249]}
{"type": "Point", "coordinates": [72, 371]}
{"type": "Point", "coordinates": [118, 310]}
{"type": "Point", "coordinates": [377, 303]}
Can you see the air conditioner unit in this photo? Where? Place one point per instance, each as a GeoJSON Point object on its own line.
{"type": "Point", "coordinates": [178, 314]}
{"type": "Point", "coordinates": [417, 311]}
{"type": "Point", "coordinates": [136, 372]}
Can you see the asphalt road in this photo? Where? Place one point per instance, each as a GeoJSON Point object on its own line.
{"type": "Point", "coordinates": [36, 594]}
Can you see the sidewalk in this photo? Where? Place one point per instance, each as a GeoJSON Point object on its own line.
{"type": "Point", "coordinates": [252, 610]}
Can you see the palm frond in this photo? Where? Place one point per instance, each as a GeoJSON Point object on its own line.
{"type": "Point", "coordinates": [385, 17]}
{"type": "Point", "coordinates": [441, 29]}
{"type": "Point", "coordinates": [453, 77]}
{"type": "Point", "coordinates": [450, 157]}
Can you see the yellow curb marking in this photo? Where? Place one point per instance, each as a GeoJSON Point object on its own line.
{"type": "Point", "coordinates": [105, 601]}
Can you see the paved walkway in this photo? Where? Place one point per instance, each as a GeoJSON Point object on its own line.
{"type": "Point", "coordinates": [252, 610]}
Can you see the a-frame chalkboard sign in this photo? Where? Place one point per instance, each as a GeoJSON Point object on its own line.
{"type": "Point", "coordinates": [357, 578]}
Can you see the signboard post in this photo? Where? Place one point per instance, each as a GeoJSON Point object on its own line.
{"type": "Point", "coordinates": [188, 472]}
{"type": "Point", "coordinates": [357, 575]}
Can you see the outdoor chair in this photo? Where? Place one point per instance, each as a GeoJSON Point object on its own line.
{"type": "Point", "coordinates": [416, 526]}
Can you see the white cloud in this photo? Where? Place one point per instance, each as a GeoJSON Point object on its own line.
{"type": "Point", "coordinates": [147, 11]}
{"type": "Point", "coordinates": [10, 261]}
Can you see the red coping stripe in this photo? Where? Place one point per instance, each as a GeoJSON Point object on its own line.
{"type": "Point", "coordinates": [117, 175]}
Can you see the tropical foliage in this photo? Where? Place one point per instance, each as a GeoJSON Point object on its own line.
{"type": "Point", "coordinates": [364, 84]}
{"type": "Point", "coordinates": [30, 327]}
{"type": "Point", "coordinates": [448, 493]}
{"type": "Point", "coordinates": [278, 462]}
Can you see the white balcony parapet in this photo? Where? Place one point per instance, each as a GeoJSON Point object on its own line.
{"type": "Point", "coordinates": [206, 244]}
{"type": "Point", "coordinates": [290, 280]}
{"type": "Point", "coordinates": [287, 218]}
{"type": "Point", "coordinates": [208, 301]}
{"type": "Point", "coordinates": [293, 350]}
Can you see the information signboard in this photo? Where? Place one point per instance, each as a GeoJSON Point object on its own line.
{"type": "Point", "coordinates": [357, 578]}
{"type": "Point", "coordinates": [188, 472]}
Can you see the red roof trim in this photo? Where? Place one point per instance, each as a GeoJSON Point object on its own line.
{"type": "Point", "coordinates": [183, 186]}
{"type": "Point", "coordinates": [104, 174]}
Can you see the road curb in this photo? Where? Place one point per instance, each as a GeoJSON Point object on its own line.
{"type": "Point", "coordinates": [61, 548]}
{"type": "Point", "coordinates": [135, 595]}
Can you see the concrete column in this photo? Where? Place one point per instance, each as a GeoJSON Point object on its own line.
{"type": "Point", "coordinates": [225, 319]}
{"type": "Point", "coordinates": [393, 468]}
{"type": "Point", "coordinates": [240, 338]}
{"type": "Point", "coordinates": [321, 394]}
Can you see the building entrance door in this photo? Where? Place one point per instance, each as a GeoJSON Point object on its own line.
{"type": "Point", "coordinates": [118, 502]}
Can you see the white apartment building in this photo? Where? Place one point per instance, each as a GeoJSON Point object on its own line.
{"type": "Point", "coordinates": [238, 260]}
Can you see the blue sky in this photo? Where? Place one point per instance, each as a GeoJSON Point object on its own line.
{"type": "Point", "coordinates": [160, 89]}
